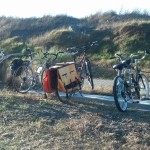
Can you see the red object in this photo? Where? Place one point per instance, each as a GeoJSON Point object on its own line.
{"type": "Point", "coordinates": [49, 80]}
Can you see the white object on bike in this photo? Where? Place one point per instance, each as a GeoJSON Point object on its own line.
{"type": "Point", "coordinates": [39, 69]}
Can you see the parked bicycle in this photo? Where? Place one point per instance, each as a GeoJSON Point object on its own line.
{"type": "Point", "coordinates": [6, 61]}
{"type": "Point", "coordinates": [130, 85]}
{"type": "Point", "coordinates": [63, 80]}
{"type": "Point", "coordinates": [30, 75]}
{"type": "Point", "coordinates": [71, 75]}
{"type": "Point", "coordinates": [22, 72]}
{"type": "Point", "coordinates": [83, 65]}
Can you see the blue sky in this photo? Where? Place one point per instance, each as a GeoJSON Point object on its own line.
{"type": "Point", "coordinates": [75, 8]}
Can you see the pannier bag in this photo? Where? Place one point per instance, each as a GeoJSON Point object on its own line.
{"type": "Point", "coordinates": [68, 79]}
{"type": "Point", "coordinates": [50, 79]}
{"type": "Point", "coordinates": [15, 64]}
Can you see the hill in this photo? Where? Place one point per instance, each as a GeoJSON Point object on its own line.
{"type": "Point", "coordinates": [123, 33]}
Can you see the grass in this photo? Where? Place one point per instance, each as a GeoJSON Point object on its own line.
{"type": "Point", "coordinates": [31, 122]}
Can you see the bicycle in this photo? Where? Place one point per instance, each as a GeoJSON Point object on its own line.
{"type": "Point", "coordinates": [30, 75]}
{"type": "Point", "coordinates": [66, 89]}
{"type": "Point", "coordinates": [83, 65]}
{"type": "Point", "coordinates": [130, 85]}
{"type": "Point", "coordinates": [6, 68]}
{"type": "Point", "coordinates": [22, 73]}
{"type": "Point", "coordinates": [62, 80]}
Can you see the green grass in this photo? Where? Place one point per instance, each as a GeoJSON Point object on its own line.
{"type": "Point", "coordinates": [31, 122]}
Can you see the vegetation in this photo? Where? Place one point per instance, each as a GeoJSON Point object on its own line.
{"type": "Point", "coordinates": [124, 33]}
{"type": "Point", "coordinates": [31, 122]}
{"type": "Point", "coordinates": [116, 33]}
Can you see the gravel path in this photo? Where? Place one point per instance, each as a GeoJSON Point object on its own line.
{"type": "Point", "coordinates": [103, 82]}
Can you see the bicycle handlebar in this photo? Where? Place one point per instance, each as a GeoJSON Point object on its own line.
{"type": "Point", "coordinates": [145, 54]}
{"type": "Point", "coordinates": [122, 58]}
{"type": "Point", "coordinates": [30, 55]}
{"type": "Point", "coordinates": [84, 48]}
{"type": "Point", "coordinates": [54, 54]}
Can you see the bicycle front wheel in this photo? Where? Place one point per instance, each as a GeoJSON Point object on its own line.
{"type": "Point", "coordinates": [23, 79]}
{"type": "Point", "coordinates": [120, 94]}
{"type": "Point", "coordinates": [144, 86]}
{"type": "Point", "coordinates": [87, 76]}
{"type": "Point", "coordinates": [37, 66]}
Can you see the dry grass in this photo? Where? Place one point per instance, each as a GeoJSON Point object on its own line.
{"type": "Point", "coordinates": [29, 122]}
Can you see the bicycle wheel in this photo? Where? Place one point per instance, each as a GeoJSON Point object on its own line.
{"type": "Point", "coordinates": [86, 75]}
{"type": "Point", "coordinates": [38, 76]}
{"type": "Point", "coordinates": [66, 96]}
{"type": "Point", "coordinates": [89, 74]}
{"type": "Point", "coordinates": [144, 86]}
{"type": "Point", "coordinates": [23, 79]}
{"type": "Point", "coordinates": [42, 78]}
{"type": "Point", "coordinates": [37, 68]}
{"type": "Point", "coordinates": [120, 94]}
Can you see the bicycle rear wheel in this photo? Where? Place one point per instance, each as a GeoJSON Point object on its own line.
{"type": "Point", "coordinates": [23, 79]}
{"type": "Point", "coordinates": [67, 96]}
{"type": "Point", "coordinates": [144, 86]}
{"type": "Point", "coordinates": [120, 94]}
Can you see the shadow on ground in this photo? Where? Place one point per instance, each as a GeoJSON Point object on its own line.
{"type": "Point", "coordinates": [33, 107]}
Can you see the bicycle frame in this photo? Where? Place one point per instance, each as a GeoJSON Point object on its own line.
{"type": "Point", "coordinates": [41, 67]}
{"type": "Point", "coordinates": [131, 73]}
{"type": "Point", "coordinates": [1, 55]}
{"type": "Point", "coordinates": [81, 64]}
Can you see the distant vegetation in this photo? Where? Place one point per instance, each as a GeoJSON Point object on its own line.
{"type": "Point", "coordinates": [124, 33]}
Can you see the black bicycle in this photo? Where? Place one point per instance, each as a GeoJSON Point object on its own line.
{"type": "Point", "coordinates": [130, 85]}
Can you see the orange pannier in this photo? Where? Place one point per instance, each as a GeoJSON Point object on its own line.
{"type": "Point", "coordinates": [50, 80]}
{"type": "Point", "coordinates": [64, 75]}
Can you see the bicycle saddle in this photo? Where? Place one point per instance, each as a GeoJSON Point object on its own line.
{"type": "Point", "coordinates": [123, 64]}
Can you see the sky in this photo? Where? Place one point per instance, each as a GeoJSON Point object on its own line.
{"type": "Point", "coordinates": [74, 8]}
